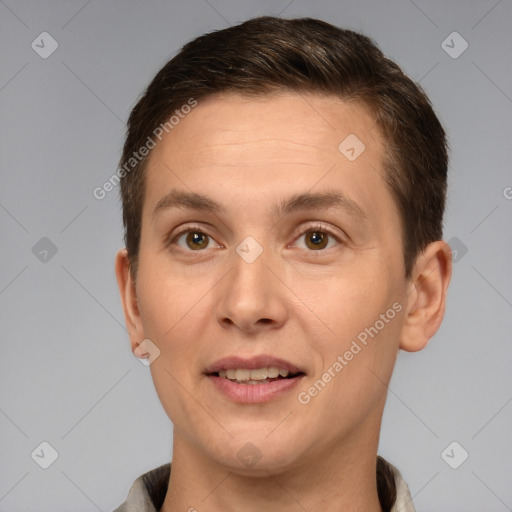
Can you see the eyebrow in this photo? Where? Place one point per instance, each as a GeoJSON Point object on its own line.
{"type": "Point", "coordinates": [192, 200]}
{"type": "Point", "coordinates": [297, 202]}
{"type": "Point", "coordinates": [319, 201]}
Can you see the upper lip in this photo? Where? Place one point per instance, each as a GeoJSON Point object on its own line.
{"type": "Point", "coordinates": [253, 363]}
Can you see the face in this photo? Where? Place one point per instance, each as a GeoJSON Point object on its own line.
{"type": "Point", "coordinates": [265, 240]}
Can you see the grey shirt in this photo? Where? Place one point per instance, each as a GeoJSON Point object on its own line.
{"type": "Point", "coordinates": [148, 492]}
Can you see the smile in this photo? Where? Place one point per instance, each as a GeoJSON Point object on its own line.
{"type": "Point", "coordinates": [257, 376]}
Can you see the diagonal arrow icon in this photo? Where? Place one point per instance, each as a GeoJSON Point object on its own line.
{"type": "Point", "coordinates": [249, 249]}
{"type": "Point", "coordinates": [454, 455]}
{"type": "Point", "coordinates": [44, 455]}
{"type": "Point", "coordinates": [44, 45]}
{"type": "Point", "coordinates": [44, 250]}
{"type": "Point", "coordinates": [454, 45]}
{"type": "Point", "coordinates": [351, 147]}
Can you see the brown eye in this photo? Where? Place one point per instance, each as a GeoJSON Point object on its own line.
{"type": "Point", "coordinates": [316, 240]}
{"type": "Point", "coordinates": [196, 240]}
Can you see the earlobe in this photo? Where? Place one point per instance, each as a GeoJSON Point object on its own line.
{"type": "Point", "coordinates": [426, 302]}
{"type": "Point", "coordinates": [129, 302]}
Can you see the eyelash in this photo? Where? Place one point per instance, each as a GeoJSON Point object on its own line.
{"type": "Point", "coordinates": [317, 226]}
{"type": "Point", "coordinates": [321, 227]}
{"type": "Point", "coordinates": [187, 229]}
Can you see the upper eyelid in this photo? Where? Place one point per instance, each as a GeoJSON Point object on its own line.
{"type": "Point", "coordinates": [300, 230]}
{"type": "Point", "coordinates": [317, 226]}
{"type": "Point", "coordinates": [186, 227]}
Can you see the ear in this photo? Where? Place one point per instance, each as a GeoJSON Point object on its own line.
{"type": "Point", "coordinates": [426, 300]}
{"type": "Point", "coordinates": [128, 293]}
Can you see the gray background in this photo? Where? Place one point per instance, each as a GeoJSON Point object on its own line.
{"type": "Point", "coordinates": [67, 375]}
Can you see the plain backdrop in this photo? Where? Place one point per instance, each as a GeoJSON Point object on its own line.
{"type": "Point", "coordinates": [67, 374]}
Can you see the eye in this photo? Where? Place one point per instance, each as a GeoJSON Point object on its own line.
{"type": "Point", "coordinates": [316, 239]}
{"type": "Point", "coordinates": [194, 240]}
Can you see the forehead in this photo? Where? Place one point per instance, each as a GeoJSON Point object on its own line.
{"type": "Point", "coordinates": [285, 128]}
{"type": "Point", "coordinates": [244, 150]}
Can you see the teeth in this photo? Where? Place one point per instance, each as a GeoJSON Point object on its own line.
{"type": "Point", "coordinates": [250, 376]}
{"type": "Point", "coordinates": [259, 374]}
{"type": "Point", "coordinates": [243, 374]}
{"type": "Point", "coordinates": [273, 373]}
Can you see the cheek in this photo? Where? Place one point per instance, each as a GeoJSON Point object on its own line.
{"type": "Point", "coordinates": [174, 316]}
{"type": "Point", "coordinates": [168, 300]}
{"type": "Point", "coordinates": [354, 334]}
{"type": "Point", "coordinates": [343, 303]}
{"type": "Point", "coordinates": [176, 322]}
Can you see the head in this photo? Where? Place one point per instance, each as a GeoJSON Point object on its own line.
{"type": "Point", "coordinates": [289, 201]}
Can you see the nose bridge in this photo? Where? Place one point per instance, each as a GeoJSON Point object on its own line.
{"type": "Point", "coordinates": [249, 277]}
{"type": "Point", "coordinates": [251, 296]}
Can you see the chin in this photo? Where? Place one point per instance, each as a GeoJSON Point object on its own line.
{"type": "Point", "coordinates": [257, 455]}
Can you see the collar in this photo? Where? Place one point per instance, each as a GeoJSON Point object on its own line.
{"type": "Point", "coordinates": [148, 492]}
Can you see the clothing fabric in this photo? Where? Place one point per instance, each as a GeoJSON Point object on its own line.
{"type": "Point", "coordinates": [148, 492]}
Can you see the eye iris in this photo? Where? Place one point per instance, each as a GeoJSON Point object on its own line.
{"type": "Point", "coordinates": [316, 240]}
{"type": "Point", "coordinates": [196, 240]}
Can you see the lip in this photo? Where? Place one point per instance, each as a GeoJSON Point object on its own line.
{"type": "Point", "coordinates": [254, 393]}
{"type": "Point", "coordinates": [253, 363]}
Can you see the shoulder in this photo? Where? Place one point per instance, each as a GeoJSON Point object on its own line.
{"type": "Point", "coordinates": [403, 500]}
{"type": "Point", "coordinates": [148, 491]}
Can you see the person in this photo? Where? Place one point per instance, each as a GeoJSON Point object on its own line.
{"type": "Point", "coordinates": [283, 187]}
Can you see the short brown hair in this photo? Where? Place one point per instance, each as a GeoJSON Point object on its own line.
{"type": "Point", "coordinates": [269, 54]}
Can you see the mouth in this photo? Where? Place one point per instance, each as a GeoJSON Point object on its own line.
{"type": "Point", "coordinates": [259, 379]}
{"type": "Point", "coordinates": [256, 376]}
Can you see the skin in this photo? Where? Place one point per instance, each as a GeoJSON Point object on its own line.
{"type": "Point", "coordinates": [295, 301]}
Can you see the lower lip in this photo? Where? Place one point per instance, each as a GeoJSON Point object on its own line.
{"type": "Point", "coordinates": [254, 393]}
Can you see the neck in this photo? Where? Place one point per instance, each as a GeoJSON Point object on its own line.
{"type": "Point", "coordinates": [337, 479]}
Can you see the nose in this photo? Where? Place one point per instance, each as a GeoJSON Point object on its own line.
{"type": "Point", "coordinates": [252, 298]}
